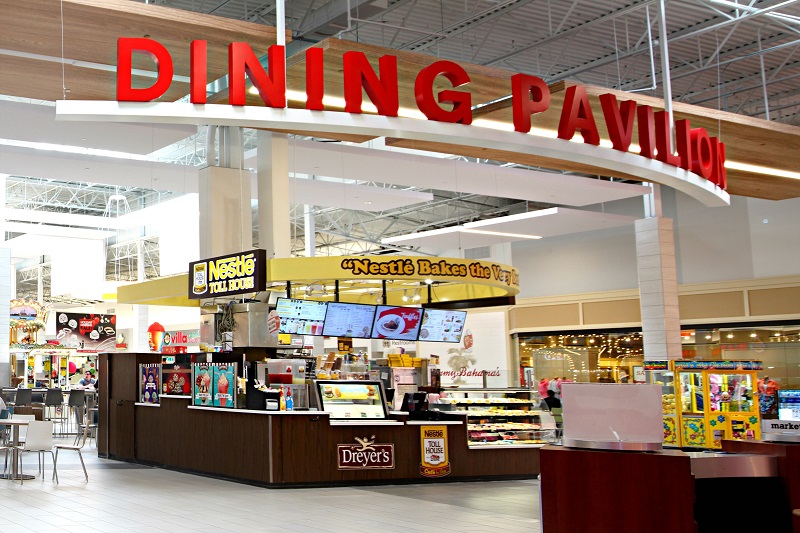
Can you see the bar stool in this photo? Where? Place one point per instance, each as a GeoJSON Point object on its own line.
{"type": "Point", "coordinates": [23, 397]}
{"type": "Point", "coordinates": [77, 404]}
{"type": "Point", "coordinates": [54, 400]}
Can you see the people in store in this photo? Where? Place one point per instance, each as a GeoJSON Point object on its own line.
{"type": "Point", "coordinates": [550, 402]}
{"type": "Point", "coordinates": [543, 383]}
{"type": "Point", "coordinates": [87, 381]}
{"type": "Point", "coordinates": [768, 386]}
{"type": "Point", "coordinates": [555, 386]}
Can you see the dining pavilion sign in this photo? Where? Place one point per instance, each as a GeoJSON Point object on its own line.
{"type": "Point", "coordinates": [697, 167]}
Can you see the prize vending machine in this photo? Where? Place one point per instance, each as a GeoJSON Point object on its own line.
{"type": "Point", "coordinates": [660, 373]}
{"type": "Point", "coordinates": [718, 400]}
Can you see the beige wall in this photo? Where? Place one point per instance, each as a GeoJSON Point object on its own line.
{"type": "Point", "coordinates": [734, 301]}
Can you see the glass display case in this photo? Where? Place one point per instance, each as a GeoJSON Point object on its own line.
{"type": "Point", "coordinates": [660, 373]}
{"type": "Point", "coordinates": [498, 417]}
{"type": "Point", "coordinates": [717, 401]}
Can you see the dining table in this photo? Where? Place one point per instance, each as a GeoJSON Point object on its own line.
{"type": "Point", "coordinates": [15, 424]}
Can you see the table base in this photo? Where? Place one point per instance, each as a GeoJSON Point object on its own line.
{"type": "Point", "coordinates": [18, 477]}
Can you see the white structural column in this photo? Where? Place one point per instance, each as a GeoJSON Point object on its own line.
{"type": "Point", "coordinates": [7, 271]}
{"type": "Point", "coordinates": [226, 224]}
{"type": "Point", "coordinates": [141, 321]}
{"type": "Point", "coordinates": [658, 288]}
{"type": "Point", "coordinates": [310, 230]}
{"type": "Point", "coordinates": [274, 204]}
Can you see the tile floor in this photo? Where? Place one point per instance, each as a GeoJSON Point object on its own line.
{"type": "Point", "coordinates": [121, 497]}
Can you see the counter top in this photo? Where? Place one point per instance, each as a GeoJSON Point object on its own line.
{"type": "Point", "coordinates": [367, 422]}
{"type": "Point", "coordinates": [254, 412]}
{"type": "Point", "coordinates": [434, 423]}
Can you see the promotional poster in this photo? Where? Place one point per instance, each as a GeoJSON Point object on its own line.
{"type": "Point", "coordinates": [87, 332]}
{"type": "Point", "coordinates": [398, 323]}
{"type": "Point", "coordinates": [203, 374]}
{"type": "Point", "coordinates": [150, 383]}
{"type": "Point", "coordinates": [224, 385]}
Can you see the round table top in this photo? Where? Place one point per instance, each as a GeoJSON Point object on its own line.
{"type": "Point", "coordinates": [15, 421]}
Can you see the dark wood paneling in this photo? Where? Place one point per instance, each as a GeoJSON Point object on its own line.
{"type": "Point", "coordinates": [788, 465]}
{"type": "Point", "coordinates": [277, 449]}
{"type": "Point", "coordinates": [613, 492]}
{"type": "Point", "coordinates": [102, 405]}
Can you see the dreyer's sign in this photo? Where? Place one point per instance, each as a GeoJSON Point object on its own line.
{"type": "Point", "coordinates": [365, 455]}
{"type": "Point", "coordinates": [228, 274]}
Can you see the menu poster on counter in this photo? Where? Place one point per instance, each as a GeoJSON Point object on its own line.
{"type": "Point", "coordinates": [442, 325]}
{"type": "Point", "coordinates": [433, 445]}
{"type": "Point", "coordinates": [176, 379]}
{"type": "Point", "coordinates": [397, 323]}
{"type": "Point", "coordinates": [349, 320]}
{"type": "Point", "coordinates": [203, 374]}
{"type": "Point", "coordinates": [224, 381]}
{"type": "Point", "coordinates": [88, 332]}
{"type": "Point", "coordinates": [303, 317]}
{"type": "Point", "coordinates": [150, 382]}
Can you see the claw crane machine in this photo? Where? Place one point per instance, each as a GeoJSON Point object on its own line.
{"type": "Point", "coordinates": [716, 400]}
{"type": "Point", "coordinates": [660, 373]}
{"type": "Point", "coordinates": [704, 402]}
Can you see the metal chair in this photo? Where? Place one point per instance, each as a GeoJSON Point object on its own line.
{"type": "Point", "coordinates": [23, 430]}
{"type": "Point", "coordinates": [54, 400]}
{"type": "Point", "coordinates": [23, 397]}
{"type": "Point", "coordinates": [77, 405]}
{"type": "Point", "coordinates": [74, 447]}
{"type": "Point", "coordinates": [39, 439]}
{"type": "Point", "coordinates": [4, 428]}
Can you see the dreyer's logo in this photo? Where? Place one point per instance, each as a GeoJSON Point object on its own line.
{"type": "Point", "coordinates": [365, 454]}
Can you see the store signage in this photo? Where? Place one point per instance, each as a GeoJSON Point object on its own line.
{"type": "Point", "coordinates": [717, 365]}
{"type": "Point", "coordinates": [697, 152]}
{"type": "Point", "coordinates": [87, 332]}
{"type": "Point", "coordinates": [228, 275]}
{"type": "Point", "coordinates": [411, 266]}
{"type": "Point", "coordinates": [433, 446]}
{"type": "Point", "coordinates": [188, 337]}
{"type": "Point", "coordinates": [656, 365]}
{"type": "Point", "coordinates": [365, 455]}
{"type": "Point", "coordinates": [780, 426]}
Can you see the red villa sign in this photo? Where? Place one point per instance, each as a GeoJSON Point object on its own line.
{"type": "Point", "coordinates": [697, 152]}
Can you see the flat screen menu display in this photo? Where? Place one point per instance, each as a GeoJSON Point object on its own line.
{"type": "Point", "coordinates": [397, 323]}
{"type": "Point", "coordinates": [303, 317]}
{"type": "Point", "coordinates": [352, 399]}
{"type": "Point", "coordinates": [349, 320]}
{"type": "Point", "coordinates": [789, 405]}
{"type": "Point", "coordinates": [442, 325]}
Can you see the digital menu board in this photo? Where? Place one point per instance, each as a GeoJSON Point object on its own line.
{"type": "Point", "coordinates": [789, 405]}
{"type": "Point", "coordinates": [349, 320]}
{"type": "Point", "coordinates": [303, 317]}
{"type": "Point", "coordinates": [442, 325]}
{"type": "Point", "coordinates": [397, 323]}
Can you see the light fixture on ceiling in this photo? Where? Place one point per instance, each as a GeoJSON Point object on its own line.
{"type": "Point", "coordinates": [405, 296]}
{"type": "Point", "coordinates": [708, 337]}
{"type": "Point", "coordinates": [416, 296]}
{"type": "Point", "coordinates": [501, 233]}
{"type": "Point", "coordinates": [730, 335]}
{"type": "Point", "coordinates": [753, 335]}
{"type": "Point", "coordinates": [428, 281]}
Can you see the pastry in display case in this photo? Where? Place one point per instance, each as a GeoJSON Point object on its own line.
{"type": "Point", "coordinates": [497, 417]}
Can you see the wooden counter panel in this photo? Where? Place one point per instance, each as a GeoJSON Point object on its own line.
{"type": "Point", "coordinates": [224, 443]}
{"type": "Point", "coordinates": [305, 451]}
{"type": "Point", "coordinates": [788, 465]}
{"type": "Point", "coordinates": [610, 492]}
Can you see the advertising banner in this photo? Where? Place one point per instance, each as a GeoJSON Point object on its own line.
{"type": "Point", "coordinates": [87, 332]}
{"type": "Point", "coordinates": [433, 445]}
{"type": "Point", "coordinates": [229, 274]}
{"type": "Point", "coordinates": [365, 455]}
{"type": "Point", "coordinates": [150, 377]}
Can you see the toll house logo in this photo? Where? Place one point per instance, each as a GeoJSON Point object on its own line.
{"type": "Point", "coordinates": [227, 275]}
{"type": "Point", "coordinates": [433, 445]}
{"type": "Point", "coordinates": [365, 455]}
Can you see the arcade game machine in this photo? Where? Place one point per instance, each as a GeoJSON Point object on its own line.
{"type": "Point", "coordinates": [660, 373]}
{"type": "Point", "coordinates": [716, 400]}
